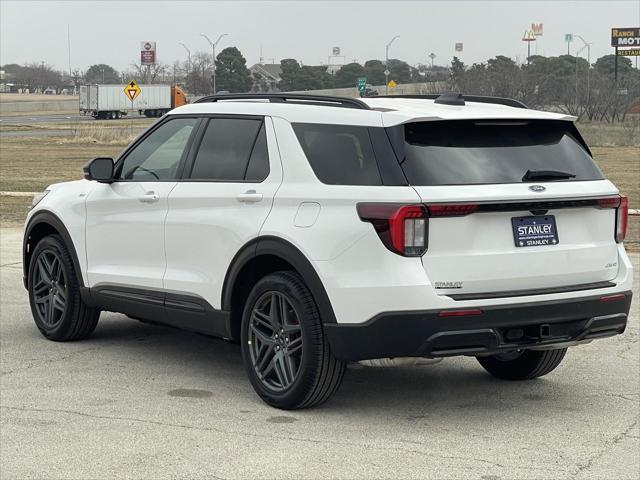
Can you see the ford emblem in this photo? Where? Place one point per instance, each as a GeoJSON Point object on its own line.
{"type": "Point", "coordinates": [537, 188]}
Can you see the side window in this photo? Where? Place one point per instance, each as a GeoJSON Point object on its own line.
{"type": "Point", "coordinates": [258, 168]}
{"type": "Point", "coordinates": [157, 156]}
{"type": "Point", "coordinates": [232, 150]}
{"type": "Point", "coordinates": [339, 154]}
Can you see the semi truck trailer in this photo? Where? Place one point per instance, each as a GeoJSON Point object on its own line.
{"type": "Point", "coordinates": [110, 101]}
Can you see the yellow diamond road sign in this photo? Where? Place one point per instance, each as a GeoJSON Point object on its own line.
{"type": "Point", "coordinates": [392, 84]}
{"type": "Point", "coordinates": [132, 90]}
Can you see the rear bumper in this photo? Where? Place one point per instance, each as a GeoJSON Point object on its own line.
{"type": "Point", "coordinates": [535, 325]}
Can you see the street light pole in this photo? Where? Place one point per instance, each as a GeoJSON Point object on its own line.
{"type": "Point", "coordinates": [188, 59]}
{"type": "Point", "coordinates": [213, 55]}
{"type": "Point", "coordinates": [386, 66]}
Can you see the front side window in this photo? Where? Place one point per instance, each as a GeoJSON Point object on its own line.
{"type": "Point", "coordinates": [232, 150]}
{"type": "Point", "coordinates": [157, 157]}
{"type": "Point", "coordinates": [339, 154]}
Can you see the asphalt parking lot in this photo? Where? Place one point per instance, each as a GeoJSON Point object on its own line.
{"type": "Point", "coordinates": [142, 401]}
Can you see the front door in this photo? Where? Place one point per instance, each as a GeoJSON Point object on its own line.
{"type": "Point", "coordinates": [125, 219]}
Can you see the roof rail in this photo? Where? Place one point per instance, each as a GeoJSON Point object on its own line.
{"type": "Point", "coordinates": [296, 98]}
{"type": "Point", "coordinates": [446, 99]}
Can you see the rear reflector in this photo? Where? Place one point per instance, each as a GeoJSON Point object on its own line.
{"type": "Point", "coordinates": [618, 297]}
{"type": "Point", "coordinates": [460, 313]}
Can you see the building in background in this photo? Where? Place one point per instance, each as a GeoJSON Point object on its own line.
{"type": "Point", "coordinates": [265, 77]}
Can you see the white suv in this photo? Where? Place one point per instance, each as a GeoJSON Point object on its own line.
{"type": "Point", "coordinates": [316, 231]}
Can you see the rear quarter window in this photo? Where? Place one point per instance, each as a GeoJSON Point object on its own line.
{"type": "Point", "coordinates": [339, 154]}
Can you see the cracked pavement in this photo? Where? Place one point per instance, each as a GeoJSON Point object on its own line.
{"type": "Point", "coordinates": [137, 400]}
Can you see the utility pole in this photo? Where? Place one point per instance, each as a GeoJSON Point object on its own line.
{"type": "Point", "coordinates": [213, 55]}
{"type": "Point", "coordinates": [386, 66]}
{"type": "Point", "coordinates": [188, 59]}
{"type": "Point", "coordinates": [69, 50]}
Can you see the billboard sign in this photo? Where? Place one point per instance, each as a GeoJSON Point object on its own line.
{"type": "Point", "coordinates": [459, 47]}
{"type": "Point", "coordinates": [630, 52]}
{"type": "Point", "coordinates": [625, 37]}
{"type": "Point", "coordinates": [536, 29]}
{"type": "Point", "coordinates": [336, 51]}
{"type": "Point", "coordinates": [147, 53]}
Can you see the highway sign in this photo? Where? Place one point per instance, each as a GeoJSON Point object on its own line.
{"type": "Point", "coordinates": [132, 90]}
{"type": "Point", "coordinates": [362, 84]}
{"type": "Point", "coordinates": [392, 84]}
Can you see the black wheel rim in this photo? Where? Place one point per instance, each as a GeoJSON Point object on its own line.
{"type": "Point", "coordinates": [50, 290]}
{"type": "Point", "coordinates": [275, 341]}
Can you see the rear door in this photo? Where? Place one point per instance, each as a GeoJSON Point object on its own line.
{"type": "Point", "coordinates": [496, 228]}
{"type": "Point", "coordinates": [221, 203]}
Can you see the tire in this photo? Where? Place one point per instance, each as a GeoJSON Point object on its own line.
{"type": "Point", "coordinates": [526, 365]}
{"type": "Point", "coordinates": [293, 368]}
{"type": "Point", "coordinates": [54, 293]}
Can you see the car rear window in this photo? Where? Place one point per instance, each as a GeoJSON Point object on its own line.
{"type": "Point", "coordinates": [477, 152]}
{"type": "Point", "coordinates": [339, 154]}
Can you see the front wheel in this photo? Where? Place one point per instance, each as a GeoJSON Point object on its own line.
{"type": "Point", "coordinates": [285, 353]}
{"type": "Point", "coordinates": [54, 293]}
{"type": "Point", "coordinates": [522, 364]}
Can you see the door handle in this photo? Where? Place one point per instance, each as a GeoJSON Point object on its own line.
{"type": "Point", "coordinates": [250, 196]}
{"type": "Point", "coordinates": [149, 197]}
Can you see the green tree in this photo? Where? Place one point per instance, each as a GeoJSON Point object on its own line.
{"type": "Point", "coordinates": [289, 71]}
{"type": "Point", "coordinates": [232, 73]}
{"type": "Point", "coordinates": [400, 71]}
{"type": "Point", "coordinates": [102, 73]}
{"type": "Point", "coordinates": [374, 71]}
{"type": "Point", "coordinates": [295, 78]}
{"type": "Point", "coordinates": [348, 75]}
{"type": "Point", "coordinates": [606, 65]}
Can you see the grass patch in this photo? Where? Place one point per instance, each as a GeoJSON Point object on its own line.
{"type": "Point", "coordinates": [13, 210]}
{"type": "Point", "coordinates": [622, 134]}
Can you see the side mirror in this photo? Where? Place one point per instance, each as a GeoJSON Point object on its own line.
{"type": "Point", "coordinates": [99, 169]}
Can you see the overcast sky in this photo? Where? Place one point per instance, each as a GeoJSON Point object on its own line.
{"type": "Point", "coordinates": [110, 31]}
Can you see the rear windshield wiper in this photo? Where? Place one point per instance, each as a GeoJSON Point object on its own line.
{"type": "Point", "coordinates": [547, 175]}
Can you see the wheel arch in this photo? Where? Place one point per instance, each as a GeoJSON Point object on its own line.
{"type": "Point", "coordinates": [260, 257]}
{"type": "Point", "coordinates": [40, 225]}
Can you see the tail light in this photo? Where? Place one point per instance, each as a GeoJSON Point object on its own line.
{"type": "Point", "coordinates": [621, 204]}
{"type": "Point", "coordinates": [622, 219]}
{"type": "Point", "coordinates": [451, 210]}
{"type": "Point", "coordinates": [402, 228]}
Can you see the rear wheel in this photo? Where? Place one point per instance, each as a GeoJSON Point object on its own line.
{"type": "Point", "coordinates": [522, 364]}
{"type": "Point", "coordinates": [285, 352]}
{"type": "Point", "coordinates": [54, 293]}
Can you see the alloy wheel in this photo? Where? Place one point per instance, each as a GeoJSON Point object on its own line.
{"type": "Point", "coordinates": [275, 341]}
{"type": "Point", "coordinates": [50, 291]}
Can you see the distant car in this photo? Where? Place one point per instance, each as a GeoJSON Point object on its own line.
{"type": "Point", "coordinates": [369, 92]}
{"type": "Point", "coordinates": [49, 91]}
{"type": "Point", "coordinates": [317, 231]}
